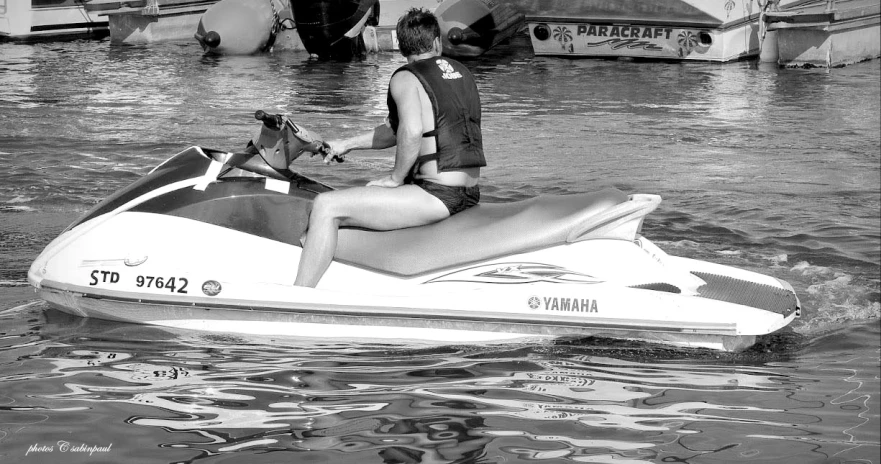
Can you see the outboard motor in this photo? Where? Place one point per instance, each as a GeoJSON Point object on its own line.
{"type": "Point", "coordinates": [331, 29]}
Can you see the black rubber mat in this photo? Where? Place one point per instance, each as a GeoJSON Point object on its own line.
{"type": "Point", "coordinates": [747, 293]}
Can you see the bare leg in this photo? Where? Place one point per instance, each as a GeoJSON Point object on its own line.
{"type": "Point", "coordinates": [321, 240]}
{"type": "Point", "coordinates": [375, 208]}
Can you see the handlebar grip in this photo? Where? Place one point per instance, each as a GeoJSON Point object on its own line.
{"type": "Point", "coordinates": [272, 121]}
{"type": "Point", "coordinates": [320, 147]}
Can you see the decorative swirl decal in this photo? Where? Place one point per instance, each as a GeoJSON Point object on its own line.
{"type": "Point", "coordinates": [517, 273]}
{"type": "Point", "coordinates": [617, 44]}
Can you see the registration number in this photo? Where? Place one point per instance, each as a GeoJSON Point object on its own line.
{"type": "Point", "coordinates": [172, 284]}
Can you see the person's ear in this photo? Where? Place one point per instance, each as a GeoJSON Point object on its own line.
{"type": "Point", "coordinates": [438, 45]}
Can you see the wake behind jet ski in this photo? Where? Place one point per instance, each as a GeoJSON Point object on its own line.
{"type": "Point", "coordinates": [210, 240]}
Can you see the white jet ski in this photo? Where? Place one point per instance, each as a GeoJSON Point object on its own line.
{"type": "Point", "coordinates": [210, 240]}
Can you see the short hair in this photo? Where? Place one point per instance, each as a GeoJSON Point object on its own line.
{"type": "Point", "coordinates": [416, 30]}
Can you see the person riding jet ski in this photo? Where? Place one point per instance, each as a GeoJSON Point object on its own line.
{"type": "Point", "coordinates": [434, 121]}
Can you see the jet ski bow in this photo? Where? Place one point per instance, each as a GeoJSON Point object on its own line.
{"type": "Point", "coordinates": [210, 240]}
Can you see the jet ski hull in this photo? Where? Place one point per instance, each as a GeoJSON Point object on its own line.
{"type": "Point", "coordinates": [205, 242]}
{"type": "Point", "coordinates": [287, 321]}
{"type": "Point", "coordinates": [454, 316]}
{"type": "Point", "coordinates": [169, 271]}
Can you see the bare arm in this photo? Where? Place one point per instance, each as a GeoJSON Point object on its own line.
{"type": "Point", "coordinates": [379, 138]}
{"type": "Point", "coordinates": [404, 88]}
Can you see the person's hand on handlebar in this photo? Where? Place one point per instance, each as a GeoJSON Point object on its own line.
{"type": "Point", "coordinates": [335, 150]}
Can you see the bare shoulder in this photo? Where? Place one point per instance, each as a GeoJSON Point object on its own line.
{"type": "Point", "coordinates": [403, 80]}
{"type": "Point", "coordinates": [405, 86]}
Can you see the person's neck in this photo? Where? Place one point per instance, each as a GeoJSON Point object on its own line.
{"type": "Point", "coordinates": [421, 56]}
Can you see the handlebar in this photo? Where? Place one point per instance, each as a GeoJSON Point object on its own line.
{"type": "Point", "coordinates": [272, 121]}
{"type": "Point", "coordinates": [278, 122]}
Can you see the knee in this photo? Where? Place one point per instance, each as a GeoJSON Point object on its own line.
{"type": "Point", "coordinates": [324, 207]}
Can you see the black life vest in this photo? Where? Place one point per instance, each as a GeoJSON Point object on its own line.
{"type": "Point", "coordinates": [456, 106]}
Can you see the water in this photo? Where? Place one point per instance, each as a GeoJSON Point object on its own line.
{"type": "Point", "coordinates": [772, 170]}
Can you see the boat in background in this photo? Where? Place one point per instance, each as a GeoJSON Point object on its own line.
{"type": "Point", "coordinates": [149, 21]}
{"type": "Point", "coordinates": [826, 33]}
{"type": "Point", "coordinates": [343, 29]}
{"type": "Point", "coordinates": [468, 27]}
{"type": "Point", "coordinates": [331, 29]}
{"type": "Point", "coordinates": [381, 37]}
{"type": "Point", "coordinates": [718, 31]}
{"type": "Point", "coordinates": [43, 20]}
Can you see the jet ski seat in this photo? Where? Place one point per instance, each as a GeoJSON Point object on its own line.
{"type": "Point", "coordinates": [489, 230]}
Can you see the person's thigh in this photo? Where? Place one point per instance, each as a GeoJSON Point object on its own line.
{"type": "Point", "coordinates": [381, 208]}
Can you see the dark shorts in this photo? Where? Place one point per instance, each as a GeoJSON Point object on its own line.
{"type": "Point", "coordinates": [456, 199]}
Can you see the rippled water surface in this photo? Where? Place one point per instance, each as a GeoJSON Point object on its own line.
{"type": "Point", "coordinates": [772, 170]}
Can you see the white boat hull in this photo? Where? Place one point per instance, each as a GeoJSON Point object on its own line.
{"type": "Point", "coordinates": [813, 37]}
{"type": "Point", "coordinates": [669, 30]}
{"type": "Point", "coordinates": [668, 42]}
{"type": "Point", "coordinates": [151, 21]}
{"type": "Point", "coordinates": [21, 21]}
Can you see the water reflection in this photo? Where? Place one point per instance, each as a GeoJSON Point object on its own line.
{"type": "Point", "coordinates": [218, 395]}
{"type": "Point", "coordinates": [752, 175]}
